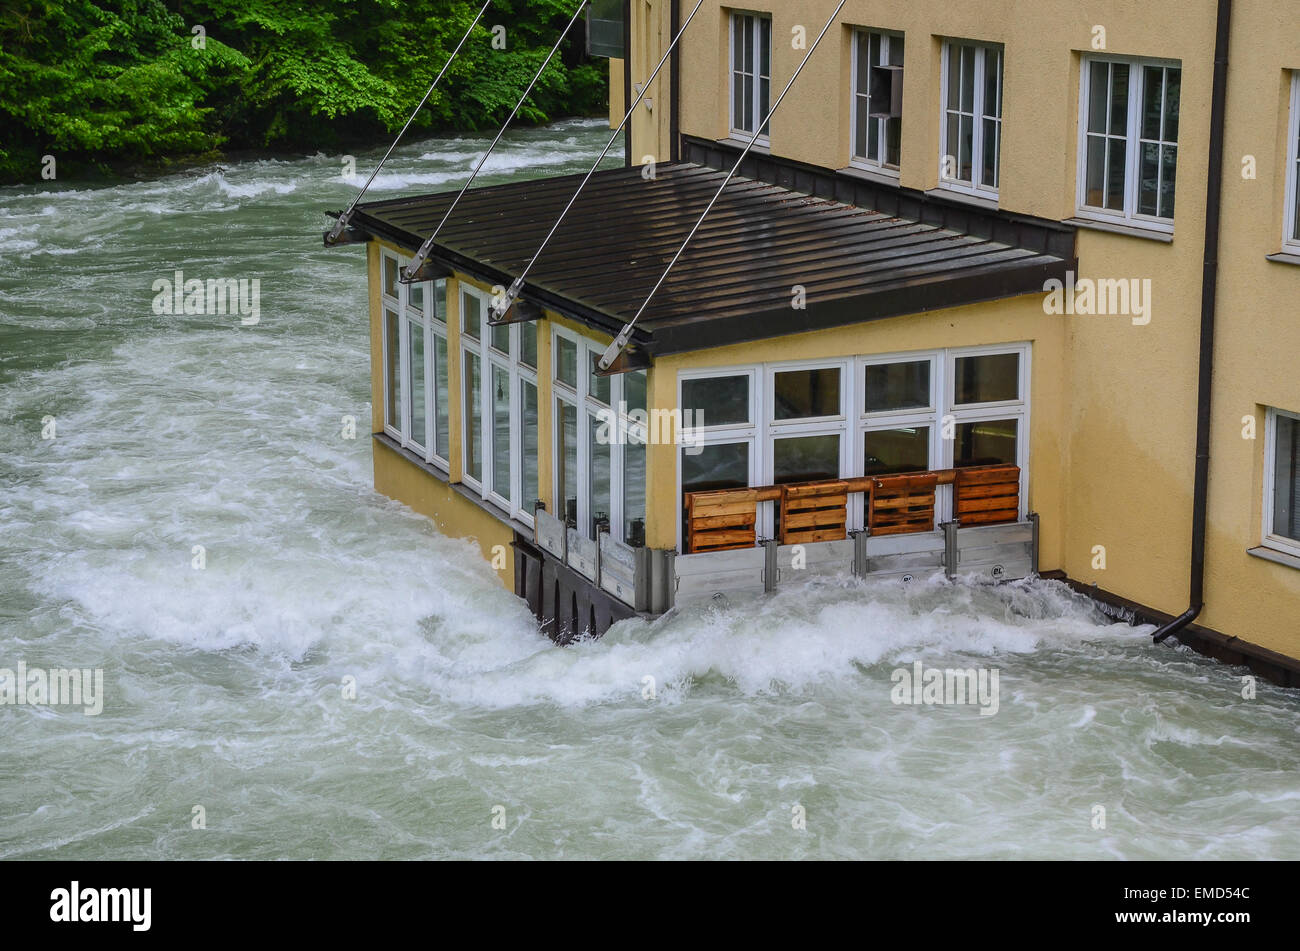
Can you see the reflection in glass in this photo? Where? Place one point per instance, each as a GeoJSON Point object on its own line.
{"type": "Point", "coordinates": [722, 466]}
{"type": "Point", "coordinates": [566, 362]}
{"type": "Point", "coordinates": [442, 404]}
{"type": "Point", "coordinates": [393, 359]}
{"type": "Point", "coordinates": [566, 460]}
{"type": "Point", "coordinates": [531, 488]}
{"type": "Point", "coordinates": [716, 400]}
{"type": "Point", "coordinates": [804, 394]}
{"type": "Point", "coordinates": [634, 493]}
{"type": "Point", "coordinates": [598, 474]}
{"type": "Point", "coordinates": [473, 418]}
{"type": "Point", "coordinates": [501, 431]}
{"type": "Point", "coordinates": [419, 421]}
{"type": "Point", "coordinates": [528, 344]}
{"type": "Point", "coordinates": [805, 459]}
{"type": "Point", "coordinates": [989, 378]}
{"type": "Point", "coordinates": [471, 309]}
{"type": "Point", "coordinates": [986, 443]}
{"type": "Point", "coordinates": [598, 388]}
{"type": "Point", "coordinates": [889, 451]}
{"type": "Point", "coordinates": [895, 386]}
{"type": "Point", "coordinates": [634, 394]}
{"type": "Point", "coordinates": [1286, 478]}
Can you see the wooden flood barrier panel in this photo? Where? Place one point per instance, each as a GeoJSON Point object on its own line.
{"type": "Point", "coordinates": [723, 519]}
{"type": "Point", "coordinates": [903, 504]}
{"type": "Point", "coordinates": [987, 495]}
{"type": "Point", "coordinates": [814, 512]}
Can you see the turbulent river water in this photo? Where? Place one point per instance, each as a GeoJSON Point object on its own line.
{"type": "Point", "coordinates": [470, 735]}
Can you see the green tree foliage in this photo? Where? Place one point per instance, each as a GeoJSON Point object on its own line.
{"type": "Point", "coordinates": [111, 81]}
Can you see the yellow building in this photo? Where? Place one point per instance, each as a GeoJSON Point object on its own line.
{"type": "Point", "coordinates": [1049, 240]}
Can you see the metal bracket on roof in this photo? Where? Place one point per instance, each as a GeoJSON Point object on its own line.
{"type": "Point", "coordinates": [519, 312]}
{"type": "Point", "coordinates": [629, 359]}
{"type": "Point", "coordinates": [345, 235]}
{"type": "Point", "coordinates": [431, 270]}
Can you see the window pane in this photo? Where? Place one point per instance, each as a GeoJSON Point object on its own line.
{"type": "Point", "coordinates": [598, 386]}
{"type": "Point", "coordinates": [442, 437]}
{"type": "Point", "coordinates": [393, 357]}
{"type": "Point", "coordinates": [598, 475]}
{"type": "Point", "coordinates": [390, 276]}
{"type": "Point", "coordinates": [419, 420]}
{"type": "Point", "coordinates": [634, 384]}
{"type": "Point", "coordinates": [1115, 174]}
{"type": "Point", "coordinates": [566, 362]}
{"type": "Point", "coordinates": [1173, 97]}
{"type": "Point", "coordinates": [1149, 179]}
{"type": "Point", "coordinates": [1098, 95]}
{"type": "Point", "coordinates": [805, 459]}
{"type": "Point", "coordinates": [989, 169]}
{"type": "Point", "coordinates": [893, 141]}
{"type": "Point", "coordinates": [1096, 186]}
{"type": "Point", "coordinates": [473, 416]}
{"type": "Point", "coordinates": [415, 298]}
{"type": "Point", "coordinates": [440, 300]}
{"type": "Point", "coordinates": [897, 450]}
{"type": "Point", "coordinates": [893, 386]}
{"type": "Point", "coordinates": [1119, 99]}
{"type": "Point", "coordinates": [501, 431]}
{"type": "Point", "coordinates": [801, 394]}
{"type": "Point", "coordinates": [765, 46]}
{"type": "Point", "coordinates": [992, 84]}
{"type": "Point", "coordinates": [988, 443]}
{"type": "Point", "coordinates": [528, 344]}
{"type": "Point", "coordinates": [471, 309]}
{"type": "Point", "coordinates": [1153, 97]}
{"type": "Point", "coordinates": [532, 487]}
{"type": "Point", "coordinates": [954, 76]}
{"type": "Point", "coordinates": [566, 461]}
{"type": "Point", "coordinates": [723, 466]}
{"type": "Point", "coordinates": [987, 379]}
{"type": "Point", "coordinates": [716, 400]}
{"type": "Point", "coordinates": [501, 338]}
{"type": "Point", "coordinates": [965, 150]}
{"type": "Point", "coordinates": [896, 46]}
{"type": "Point", "coordinates": [968, 79]}
{"type": "Point", "coordinates": [634, 493]}
{"type": "Point", "coordinates": [1286, 479]}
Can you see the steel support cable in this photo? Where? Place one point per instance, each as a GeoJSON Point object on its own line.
{"type": "Point", "coordinates": [344, 218]}
{"type": "Point", "coordinates": [408, 273]}
{"type": "Point", "coordinates": [620, 342]}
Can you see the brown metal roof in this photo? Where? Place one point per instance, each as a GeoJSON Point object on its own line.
{"type": "Point", "coordinates": [735, 282]}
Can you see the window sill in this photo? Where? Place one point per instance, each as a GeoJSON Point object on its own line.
{"type": "Point", "coordinates": [879, 176]}
{"type": "Point", "coordinates": [1284, 257]}
{"type": "Point", "coordinates": [1132, 231]}
{"type": "Point", "coordinates": [761, 147]}
{"type": "Point", "coordinates": [463, 491]}
{"type": "Point", "coordinates": [965, 197]}
{"type": "Point", "coordinates": [1275, 556]}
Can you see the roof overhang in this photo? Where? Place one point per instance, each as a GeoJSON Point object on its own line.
{"type": "Point", "coordinates": [768, 261]}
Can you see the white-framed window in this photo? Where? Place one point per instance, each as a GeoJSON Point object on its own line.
{"type": "Point", "coordinates": [751, 73]}
{"type": "Point", "coordinates": [1282, 481]}
{"type": "Point", "coordinates": [1128, 141]}
{"type": "Point", "coordinates": [499, 410]}
{"type": "Point", "coordinates": [1291, 228]}
{"type": "Point", "coordinates": [884, 414]}
{"type": "Point", "coordinates": [600, 442]}
{"type": "Point", "coordinates": [416, 401]}
{"type": "Point", "coordinates": [877, 133]}
{"type": "Point", "coordinates": [970, 133]}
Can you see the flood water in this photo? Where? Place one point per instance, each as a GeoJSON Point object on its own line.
{"type": "Point", "coordinates": [226, 687]}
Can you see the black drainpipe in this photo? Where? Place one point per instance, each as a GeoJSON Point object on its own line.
{"type": "Point", "coordinates": [1209, 285]}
